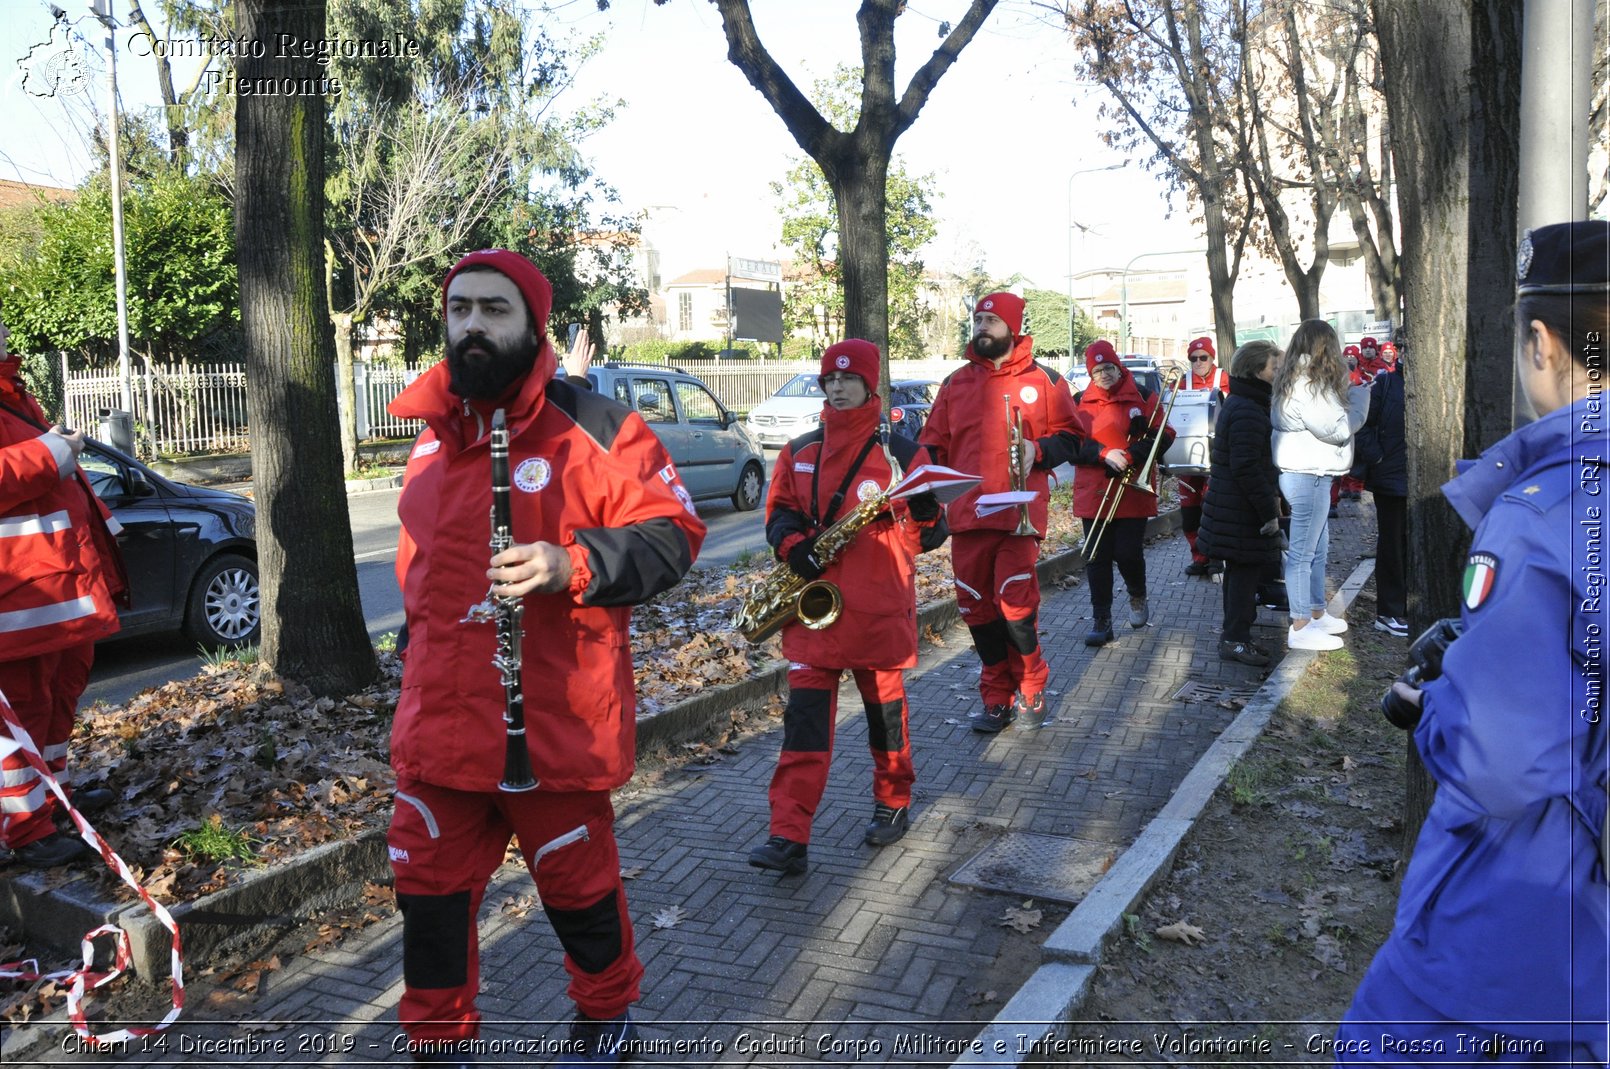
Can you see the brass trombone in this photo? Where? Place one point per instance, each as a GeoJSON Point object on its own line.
{"type": "Point", "coordinates": [1014, 457]}
{"type": "Point", "coordinates": [1133, 478]}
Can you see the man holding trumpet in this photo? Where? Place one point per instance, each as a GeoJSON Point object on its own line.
{"type": "Point", "coordinates": [999, 395]}
{"type": "Point", "coordinates": [1125, 423]}
{"type": "Point", "coordinates": [599, 522]}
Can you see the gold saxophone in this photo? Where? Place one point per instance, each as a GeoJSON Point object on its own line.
{"type": "Point", "coordinates": [784, 595]}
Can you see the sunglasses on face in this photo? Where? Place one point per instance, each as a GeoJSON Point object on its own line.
{"type": "Point", "coordinates": [1201, 359]}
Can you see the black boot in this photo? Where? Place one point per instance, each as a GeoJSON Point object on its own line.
{"type": "Point", "coordinates": [780, 855]}
{"type": "Point", "coordinates": [1101, 630]}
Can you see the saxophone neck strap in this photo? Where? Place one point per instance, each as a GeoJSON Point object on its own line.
{"type": "Point", "coordinates": [826, 518]}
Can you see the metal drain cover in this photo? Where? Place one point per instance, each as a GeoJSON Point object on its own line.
{"type": "Point", "coordinates": [1052, 867]}
{"type": "Point", "coordinates": [1214, 693]}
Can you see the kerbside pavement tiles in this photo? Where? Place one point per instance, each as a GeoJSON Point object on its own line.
{"type": "Point", "coordinates": [873, 956]}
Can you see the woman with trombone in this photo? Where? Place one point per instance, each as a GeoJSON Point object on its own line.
{"type": "Point", "coordinates": [1113, 491]}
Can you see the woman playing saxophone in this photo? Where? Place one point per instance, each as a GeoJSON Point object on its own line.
{"type": "Point", "coordinates": [821, 477]}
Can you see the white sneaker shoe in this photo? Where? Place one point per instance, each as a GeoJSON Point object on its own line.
{"type": "Point", "coordinates": [1311, 637]}
{"type": "Point", "coordinates": [1331, 625]}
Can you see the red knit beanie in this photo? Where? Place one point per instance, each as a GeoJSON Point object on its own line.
{"type": "Point", "coordinates": [1101, 352]}
{"type": "Point", "coordinates": [1366, 343]}
{"type": "Point", "coordinates": [855, 356]}
{"type": "Point", "coordinates": [531, 283]}
{"type": "Point", "coordinates": [1205, 344]}
{"type": "Point", "coordinates": [1007, 306]}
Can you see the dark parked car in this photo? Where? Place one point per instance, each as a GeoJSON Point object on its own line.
{"type": "Point", "coordinates": [191, 552]}
{"type": "Point", "coordinates": [910, 401]}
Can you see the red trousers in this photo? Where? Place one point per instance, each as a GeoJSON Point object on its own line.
{"type": "Point", "coordinates": [808, 723]}
{"type": "Point", "coordinates": [1192, 492]}
{"type": "Point", "coordinates": [998, 596]}
{"type": "Point", "coordinates": [44, 692]}
{"type": "Point", "coordinates": [445, 845]}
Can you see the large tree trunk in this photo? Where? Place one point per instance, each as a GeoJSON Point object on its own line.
{"type": "Point", "coordinates": [1453, 94]}
{"type": "Point", "coordinates": [304, 539]}
{"type": "Point", "coordinates": [860, 187]}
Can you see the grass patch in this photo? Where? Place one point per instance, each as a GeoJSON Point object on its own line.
{"type": "Point", "coordinates": [213, 841]}
{"type": "Point", "coordinates": [217, 658]}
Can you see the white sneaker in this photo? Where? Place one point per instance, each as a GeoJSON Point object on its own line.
{"type": "Point", "coordinates": [1331, 625]}
{"type": "Point", "coordinates": [1311, 637]}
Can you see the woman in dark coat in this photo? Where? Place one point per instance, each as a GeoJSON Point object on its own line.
{"type": "Point", "coordinates": [1241, 513]}
{"type": "Point", "coordinates": [1381, 454]}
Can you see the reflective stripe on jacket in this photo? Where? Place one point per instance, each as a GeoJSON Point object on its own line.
{"type": "Point", "coordinates": [60, 568]}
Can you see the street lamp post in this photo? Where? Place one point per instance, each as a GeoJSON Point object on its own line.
{"type": "Point", "coordinates": [1083, 170]}
{"type": "Point", "coordinates": [1123, 313]}
{"type": "Point", "coordinates": [102, 10]}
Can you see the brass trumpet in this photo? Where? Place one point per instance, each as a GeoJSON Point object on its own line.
{"type": "Point", "coordinates": [1014, 454]}
{"type": "Point", "coordinates": [1133, 478]}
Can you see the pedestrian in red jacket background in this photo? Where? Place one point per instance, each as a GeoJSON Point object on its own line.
{"type": "Point", "coordinates": [1124, 420]}
{"type": "Point", "coordinates": [997, 588]}
{"type": "Point", "coordinates": [601, 522]}
{"type": "Point", "coordinates": [1205, 374]}
{"type": "Point", "coordinates": [820, 478]}
{"type": "Point", "coordinates": [61, 580]}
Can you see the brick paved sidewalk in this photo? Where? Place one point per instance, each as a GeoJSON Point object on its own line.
{"type": "Point", "coordinates": [872, 956]}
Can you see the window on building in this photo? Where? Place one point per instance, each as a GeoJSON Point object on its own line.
{"type": "Point", "coordinates": [684, 311]}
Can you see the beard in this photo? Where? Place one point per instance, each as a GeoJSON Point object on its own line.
{"type": "Point", "coordinates": [487, 377]}
{"type": "Point", "coordinates": [991, 347]}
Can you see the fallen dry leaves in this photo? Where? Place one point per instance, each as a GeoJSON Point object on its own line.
{"type": "Point", "coordinates": [1024, 918]}
{"type": "Point", "coordinates": [1180, 932]}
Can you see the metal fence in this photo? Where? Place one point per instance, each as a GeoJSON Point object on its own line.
{"type": "Point", "coordinates": [183, 409]}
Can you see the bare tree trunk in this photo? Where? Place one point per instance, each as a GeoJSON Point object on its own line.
{"type": "Point", "coordinates": [304, 539]}
{"type": "Point", "coordinates": [1453, 93]}
{"type": "Point", "coordinates": [346, 398]}
{"type": "Point", "coordinates": [860, 190]}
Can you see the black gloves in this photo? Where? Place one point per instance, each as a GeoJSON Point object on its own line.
{"type": "Point", "coordinates": [924, 508]}
{"type": "Point", "coordinates": [802, 559]}
{"type": "Point", "coordinates": [1270, 529]}
{"type": "Point", "coordinates": [1398, 706]}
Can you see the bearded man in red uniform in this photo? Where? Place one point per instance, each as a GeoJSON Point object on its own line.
{"type": "Point", "coordinates": [820, 478]}
{"type": "Point", "coordinates": [601, 522]}
{"type": "Point", "coordinates": [997, 588]}
{"type": "Point", "coordinates": [61, 580]}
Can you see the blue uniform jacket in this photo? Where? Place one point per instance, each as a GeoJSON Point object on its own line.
{"type": "Point", "coordinates": [1502, 916]}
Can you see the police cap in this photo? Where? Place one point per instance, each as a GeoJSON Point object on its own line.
{"type": "Point", "coordinates": [1564, 258]}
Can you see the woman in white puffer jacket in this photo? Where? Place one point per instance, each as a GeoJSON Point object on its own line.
{"type": "Point", "coordinates": [1314, 414]}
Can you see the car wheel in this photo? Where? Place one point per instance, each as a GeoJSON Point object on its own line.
{"type": "Point", "coordinates": [753, 480]}
{"type": "Point", "coordinates": [225, 603]}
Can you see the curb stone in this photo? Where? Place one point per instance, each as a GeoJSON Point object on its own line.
{"type": "Point", "coordinates": [1056, 990]}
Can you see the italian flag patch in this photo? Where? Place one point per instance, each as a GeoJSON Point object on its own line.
{"type": "Point", "coordinates": [1481, 571]}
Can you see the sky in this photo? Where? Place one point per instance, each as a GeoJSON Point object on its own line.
{"type": "Point", "coordinates": [1011, 139]}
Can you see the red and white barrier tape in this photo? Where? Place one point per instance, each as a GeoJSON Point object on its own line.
{"type": "Point", "coordinates": [83, 978]}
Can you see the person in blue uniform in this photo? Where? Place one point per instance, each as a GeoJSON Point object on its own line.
{"type": "Point", "coordinates": [1499, 949]}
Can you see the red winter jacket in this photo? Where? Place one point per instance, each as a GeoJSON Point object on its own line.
{"type": "Point", "coordinates": [967, 430]}
{"type": "Point", "coordinates": [1112, 418]}
{"type": "Point", "coordinates": [61, 573]}
{"type": "Point", "coordinates": [874, 574]}
{"type": "Point", "coordinates": [587, 474]}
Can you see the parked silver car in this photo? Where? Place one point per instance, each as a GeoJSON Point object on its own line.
{"type": "Point", "coordinates": [713, 452]}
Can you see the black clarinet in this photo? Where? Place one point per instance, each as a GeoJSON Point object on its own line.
{"type": "Point", "coordinates": [506, 612]}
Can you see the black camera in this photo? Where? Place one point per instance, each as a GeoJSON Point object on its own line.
{"type": "Point", "coordinates": [1425, 656]}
